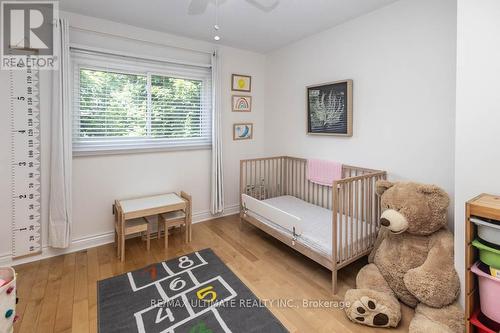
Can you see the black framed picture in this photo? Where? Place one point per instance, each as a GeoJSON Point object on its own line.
{"type": "Point", "coordinates": [329, 108]}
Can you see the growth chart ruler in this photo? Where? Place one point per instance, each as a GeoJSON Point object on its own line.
{"type": "Point", "coordinates": [25, 150]}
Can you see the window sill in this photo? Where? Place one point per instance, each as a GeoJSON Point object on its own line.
{"type": "Point", "coordinates": [124, 150]}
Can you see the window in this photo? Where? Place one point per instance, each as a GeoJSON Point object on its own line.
{"type": "Point", "coordinates": [138, 105]}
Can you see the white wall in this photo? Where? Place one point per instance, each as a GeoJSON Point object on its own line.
{"type": "Point", "coordinates": [401, 59]}
{"type": "Point", "coordinates": [98, 180]}
{"type": "Point", "coordinates": [478, 110]}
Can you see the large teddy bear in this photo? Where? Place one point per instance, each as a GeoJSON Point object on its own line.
{"type": "Point", "coordinates": [412, 261]}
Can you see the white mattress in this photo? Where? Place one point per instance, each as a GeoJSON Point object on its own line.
{"type": "Point", "coordinates": [316, 225]}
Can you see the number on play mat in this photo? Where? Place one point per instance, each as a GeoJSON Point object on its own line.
{"type": "Point", "coordinates": [168, 314]}
{"type": "Point", "coordinates": [205, 293]}
{"type": "Point", "coordinates": [177, 284]}
{"type": "Point", "coordinates": [185, 262]}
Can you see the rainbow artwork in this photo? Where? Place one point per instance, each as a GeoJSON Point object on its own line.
{"type": "Point", "coordinates": [242, 103]}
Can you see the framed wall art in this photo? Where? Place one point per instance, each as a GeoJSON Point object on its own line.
{"type": "Point", "coordinates": [241, 83]}
{"type": "Point", "coordinates": [243, 131]}
{"type": "Point", "coordinates": [329, 108]}
{"type": "Point", "coordinates": [242, 103]}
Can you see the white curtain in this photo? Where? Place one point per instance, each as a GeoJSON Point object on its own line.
{"type": "Point", "coordinates": [217, 181]}
{"type": "Point", "coordinates": [61, 154]}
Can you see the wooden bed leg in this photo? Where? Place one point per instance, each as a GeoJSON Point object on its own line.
{"type": "Point", "coordinates": [334, 282]}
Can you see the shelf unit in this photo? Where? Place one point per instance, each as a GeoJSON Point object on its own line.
{"type": "Point", "coordinates": [483, 206]}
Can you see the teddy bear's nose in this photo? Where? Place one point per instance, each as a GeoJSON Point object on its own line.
{"type": "Point", "coordinates": [385, 222]}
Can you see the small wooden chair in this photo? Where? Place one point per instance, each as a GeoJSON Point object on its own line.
{"type": "Point", "coordinates": [124, 228]}
{"type": "Point", "coordinates": [176, 219]}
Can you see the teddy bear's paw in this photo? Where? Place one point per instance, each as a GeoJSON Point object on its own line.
{"type": "Point", "coordinates": [372, 311]}
{"type": "Point", "coordinates": [369, 311]}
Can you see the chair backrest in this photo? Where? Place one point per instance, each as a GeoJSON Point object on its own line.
{"type": "Point", "coordinates": [189, 199]}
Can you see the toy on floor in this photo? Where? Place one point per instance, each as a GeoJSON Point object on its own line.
{"type": "Point", "coordinates": [7, 299]}
{"type": "Point", "coordinates": [412, 261]}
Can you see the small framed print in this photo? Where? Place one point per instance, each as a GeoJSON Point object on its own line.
{"type": "Point", "coordinates": [243, 131]}
{"type": "Point", "coordinates": [242, 103]}
{"type": "Point", "coordinates": [241, 83]}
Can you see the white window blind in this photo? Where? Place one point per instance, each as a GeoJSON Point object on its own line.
{"type": "Point", "coordinates": [129, 104]}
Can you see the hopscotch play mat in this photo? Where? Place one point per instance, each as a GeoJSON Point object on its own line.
{"type": "Point", "coordinates": [195, 293]}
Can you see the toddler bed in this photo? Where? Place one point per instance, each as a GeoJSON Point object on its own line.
{"type": "Point", "coordinates": [333, 225]}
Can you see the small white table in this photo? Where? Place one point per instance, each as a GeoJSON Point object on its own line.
{"type": "Point", "coordinates": [143, 207]}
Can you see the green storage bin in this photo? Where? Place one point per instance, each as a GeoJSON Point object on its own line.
{"type": "Point", "coordinates": [488, 255]}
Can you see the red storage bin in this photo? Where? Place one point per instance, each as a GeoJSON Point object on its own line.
{"type": "Point", "coordinates": [479, 320]}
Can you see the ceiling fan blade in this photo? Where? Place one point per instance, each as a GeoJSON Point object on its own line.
{"type": "Point", "coordinates": [265, 8]}
{"type": "Point", "coordinates": [197, 7]}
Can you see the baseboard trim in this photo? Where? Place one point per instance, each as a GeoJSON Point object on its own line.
{"type": "Point", "coordinates": [88, 242]}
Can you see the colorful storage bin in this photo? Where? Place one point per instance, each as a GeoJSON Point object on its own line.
{"type": "Point", "coordinates": [489, 290]}
{"type": "Point", "coordinates": [488, 255]}
{"type": "Point", "coordinates": [480, 326]}
{"type": "Point", "coordinates": [495, 272]}
{"type": "Point", "coordinates": [7, 299]}
{"type": "Point", "coordinates": [488, 231]}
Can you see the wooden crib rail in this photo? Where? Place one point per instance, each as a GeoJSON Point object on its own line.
{"type": "Point", "coordinates": [268, 177]}
{"type": "Point", "coordinates": [357, 222]}
{"type": "Point", "coordinates": [262, 178]}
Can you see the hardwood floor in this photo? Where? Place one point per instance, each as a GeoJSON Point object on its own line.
{"type": "Point", "coordinates": [60, 295]}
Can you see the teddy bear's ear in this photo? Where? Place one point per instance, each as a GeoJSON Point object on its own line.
{"type": "Point", "coordinates": [438, 194]}
{"type": "Point", "coordinates": [382, 186]}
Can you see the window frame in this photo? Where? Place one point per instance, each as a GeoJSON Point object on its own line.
{"type": "Point", "coordinates": [148, 68]}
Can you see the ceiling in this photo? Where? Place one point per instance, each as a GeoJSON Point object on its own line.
{"type": "Point", "coordinates": [241, 24]}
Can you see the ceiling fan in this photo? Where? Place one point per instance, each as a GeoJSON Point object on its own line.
{"type": "Point", "coordinates": [197, 7]}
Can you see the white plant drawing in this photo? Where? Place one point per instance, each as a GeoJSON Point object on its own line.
{"type": "Point", "coordinates": [327, 108]}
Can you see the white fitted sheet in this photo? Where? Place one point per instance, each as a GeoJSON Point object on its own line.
{"type": "Point", "coordinates": [316, 225]}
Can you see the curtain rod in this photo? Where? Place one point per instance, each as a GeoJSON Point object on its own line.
{"type": "Point", "coordinates": [91, 49]}
{"type": "Point", "coordinates": [140, 40]}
